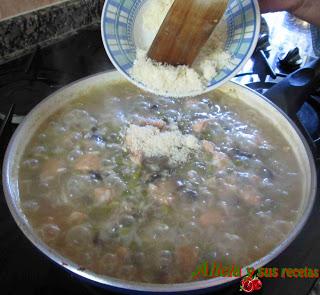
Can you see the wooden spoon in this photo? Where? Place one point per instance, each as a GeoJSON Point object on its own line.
{"type": "Point", "coordinates": [186, 28]}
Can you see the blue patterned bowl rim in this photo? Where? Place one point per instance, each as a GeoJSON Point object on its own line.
{"type": "Point", "coordinates": [232, 74]}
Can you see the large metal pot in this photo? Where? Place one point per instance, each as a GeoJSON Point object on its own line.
{"type": "Point", "coordinates": [57, 100]}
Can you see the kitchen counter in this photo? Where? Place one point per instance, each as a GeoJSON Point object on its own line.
{"type": "Point", "coordinates": [21, 34]}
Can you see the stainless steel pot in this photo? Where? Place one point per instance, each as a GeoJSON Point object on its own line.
{"type": "Point", "coordinates": [57, 100]}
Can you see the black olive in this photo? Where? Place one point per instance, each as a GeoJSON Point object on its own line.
{"type": "Point", "coordinates": [96, 240]}
{"type": "Point", "coordinates": [221, 174]}
{"type": "Point", "coordinates": [165, 119]}
{"type": "Point", "coordinates": [180, 184]}
{"type": "Point", "coordinates": [137, 214]}
{"type": "Point", "coordinates": [171, 171]}
{"type": "Point", "coordinates": [138, 258]}
{"type": "Point", "coordinates": [190, 195]}
{"type": "Point", "coordinates": [153, 177]}
{"type": "Point", "coordinates": [98, 138]}
{"type": "Point", "coordinates": [229, 170]}
{"type": "Point", "coordinates": [183, 125]}
{"type": "Point", "coordinates": [226, 150]}
{"type": "Point", "coordinates": [210, 104]}
{"type": "Point", "coordinates": [266, 173]}
{"type": "Point", "coordinates": [127, 220]}
{"type": "Point", "coordinates": [156, 163]}
{"type": "Point", "coordinates": [114, 232]}
{"type": "Point", "coordinates": [94, 175]}
{"type": "Point", "coordinates": [114, 136]}
{"type": "Point", "coordinates": [94, 129]}
{"type": "Point", "coordinates": [205, 100]}
{"type": "Point", "coordinates": [154, 107]}
{"type": "Point", "coordinates": [200, 116]}
{"type": "Point", "coordinates": [86, 200]}
{"type": "Point", "coordinates": [240, 153]}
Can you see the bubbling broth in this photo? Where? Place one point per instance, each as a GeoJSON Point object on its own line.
{"type": "Point", "coordinates": [95, 198]}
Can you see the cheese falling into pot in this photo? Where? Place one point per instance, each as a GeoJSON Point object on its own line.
{"type": "Point", "coordinates": [150, 142]}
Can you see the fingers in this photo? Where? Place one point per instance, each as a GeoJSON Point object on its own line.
{"type": "Point", "coordinates": [307, 10]}
{"type": "Point", "coordinates": [278, 5]}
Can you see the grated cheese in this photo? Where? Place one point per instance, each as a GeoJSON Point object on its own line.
{"type": "Point", "coordinates": [157, 10]}
{"type": "Point", "coordinates": [166, 78]}
{"type": "Point", "coordinates": [180, 80]}
{"type": "Point", "coordinates": [151, 142]}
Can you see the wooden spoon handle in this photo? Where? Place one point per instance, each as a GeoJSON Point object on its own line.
{"type": "Point", "coordinates": [186, 28]}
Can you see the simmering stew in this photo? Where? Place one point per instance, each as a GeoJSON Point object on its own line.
{"type": "Point", "coordinates": [146, 188]}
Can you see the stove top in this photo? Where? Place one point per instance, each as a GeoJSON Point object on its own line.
{"type": "Point", "coordinates": [284, 46]}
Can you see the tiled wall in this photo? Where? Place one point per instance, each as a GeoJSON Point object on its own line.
{"type": "Point", "coordinates": [9, 8]}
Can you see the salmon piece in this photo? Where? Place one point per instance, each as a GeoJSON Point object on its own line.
{"type": "Point", "coordinates": [200, 126]}
{"type": "Point", "coordinates": [231, 180]}
{"type": "Point", "coordinates": [211, 217]}
{"type": "Point", "coordinates": [286, 149]}
{"type": "Point", "coordinates": [226, 190]}
{"type": "Point", "coordinates": [87, 144]}
{"type": "Point", "coordinates": [258, 139]}
{"type": "Point", "coordinates": [52, 168]}
{"type": "Point", "coordinates": [70, 139]}
{"type": "Point", "coordinates": [221, 160]}
{"type": "Point", "coordinates": [122, 253]}
{"type": "Point", "coordinates": [102, 195]}
{"type": "Point", "coordinates": [49, 232]}
{"type": "Point", "coordinates": [137, 158]}
{"type": "Point", "coordinates": [67, 142]}
{"type": "Point", "coordinates": [88, 162]}
{"type": "Point", "coordinates": [186, 258]}
{"type": "Point", "coordinates": [190, 102]}
{"type": "Point", "coordinates": [209, 147]}
{"type": "Point", "coordinates": [77, 218]}
{"type": "Point", "coordinates": [163, 192]}
{"type": "Point", "coordinates": [255, 179]}
{"type": "Point", "coordinates": [158, 123]}
{"type": "Point", "coordinates": [250, 196]}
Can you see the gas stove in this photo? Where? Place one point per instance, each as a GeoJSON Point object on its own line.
{"type": "Point", "coordinates": [284, 46]}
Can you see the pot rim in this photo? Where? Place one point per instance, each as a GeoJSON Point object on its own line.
{"type": "Point", "coordinates": [147, 287]}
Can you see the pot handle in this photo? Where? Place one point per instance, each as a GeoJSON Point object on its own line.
{"type": "Point", "coordinates": [291, 93]}
{"type": "Point", "coordinates": [4, 131]}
